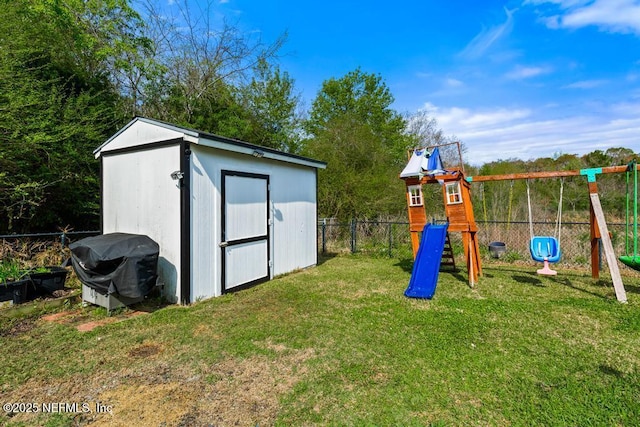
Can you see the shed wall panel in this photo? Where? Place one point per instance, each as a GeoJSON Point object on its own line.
{"type": "Point", "coordinates": [293, 191]}
{"type": "Point", "coordinates": [205, 226]}
{"type": "Point", "coordinates": [139, 196]}
{"type": "Point", "coordinates": [292, 212]}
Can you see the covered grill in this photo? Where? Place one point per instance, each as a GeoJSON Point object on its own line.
{"type": "Point", "coordinates": [115, 269]}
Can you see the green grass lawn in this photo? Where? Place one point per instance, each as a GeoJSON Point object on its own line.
{"type": "Point", "coordinates": [339, 344]}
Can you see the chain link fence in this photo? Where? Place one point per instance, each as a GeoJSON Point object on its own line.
{"type": "Point", "coordinates": [392, 239]}
{"type": "Point", "coordinates": [381, 238]}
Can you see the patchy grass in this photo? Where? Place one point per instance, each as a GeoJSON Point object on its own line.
{"type": "Point", "coordinates": [340, 345]}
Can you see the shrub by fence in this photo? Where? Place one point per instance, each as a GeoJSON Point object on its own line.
{"type": "Point", "coordinates": [40, 249]}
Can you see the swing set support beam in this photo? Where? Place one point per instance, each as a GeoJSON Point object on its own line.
{"type": "Point", "coordinates": [618, 286]}
{"type": "Point", "coordinates": [599, 231]}
{"type": "Point", "coordinates": [589, 173]}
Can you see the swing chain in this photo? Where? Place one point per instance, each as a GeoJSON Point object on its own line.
{"type": "Point", "coordinates": [558, 229]}
{"type": "Point", "coordinates": [529, 206]}
{"type": "Point", "coordinates": [558, 225]}
{"type": "Point", "coordinates": [510, 204]}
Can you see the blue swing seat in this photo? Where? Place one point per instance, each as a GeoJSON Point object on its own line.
{"type": "Point", "coordinates": [545, 248]}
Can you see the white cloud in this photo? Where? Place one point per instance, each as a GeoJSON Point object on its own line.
{"type": "Point", "coordinates": [451, 82]}
{"type": "Point", "coordinates": [504, 133]}
{"type": "Point", "coordinates": [586, 84]}
{"type": "Point", "coordinates": [617, 16]}
{"type": "Point", "coordinates": [520, 72]}
{"type": "Point", "coordinates": [563, 3]}
{"type": "Point", "coordinates": [467, 119]}
{"type": "Point", "coordinates": [487, 38]}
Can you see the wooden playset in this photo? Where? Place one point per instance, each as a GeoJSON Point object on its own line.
{"type": "Point", "coordinates": [425, 167]}
{"type": "Point", "coordinates": [458, 209]}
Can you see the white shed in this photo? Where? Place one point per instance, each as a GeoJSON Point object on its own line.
{"type": "Point", "coordinates": [227, 214]}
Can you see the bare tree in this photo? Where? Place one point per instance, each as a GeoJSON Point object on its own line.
{"type": "Point", "coordinates": [198, 54]}
{"type": "Point", "coordinates": [423, 129]}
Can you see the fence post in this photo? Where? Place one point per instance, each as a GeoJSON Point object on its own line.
{"type": "Point", "coordinates": [390, 237]}
{"type": "Point", "coordinates": [63, 238]}
{"type": "Point", "coordinates": [324, 235]}
{"type": "Point", "coordinates": [353, 235]}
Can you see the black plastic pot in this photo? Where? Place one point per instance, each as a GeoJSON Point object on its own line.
{"type": "Point", "coordinates": [497, 249]}
{"type": "Point", "coordinates": [15, 291]}
{"type": "Point", "coordinates": [47, 282]}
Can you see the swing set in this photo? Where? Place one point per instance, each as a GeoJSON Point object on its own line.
{"type": "Point", "coordinates": [631, 259]}
{"type": "Point", "coordinates": [548, 247]}
{"type": "Point", "coordinates": [545, 249]}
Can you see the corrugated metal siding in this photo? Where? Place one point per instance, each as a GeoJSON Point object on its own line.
{"type": "Point", "coordinates": [139, 196]}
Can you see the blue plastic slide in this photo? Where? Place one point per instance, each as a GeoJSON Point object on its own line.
{"type": "Point", "coordinates": [426, 267]}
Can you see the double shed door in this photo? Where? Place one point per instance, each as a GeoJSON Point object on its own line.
{"type": "Point", "coordinates": [245, 230]}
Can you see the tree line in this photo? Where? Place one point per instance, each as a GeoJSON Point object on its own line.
{"type": "Point", "coordinates": [508, 200]}
{"type": "Point", "coordinates": [73, 72]}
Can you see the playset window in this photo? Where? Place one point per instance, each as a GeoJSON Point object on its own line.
{"type": "Point", "coordinates": [453, 193]}
{"type": "Point", "coordinates": [415, 195]}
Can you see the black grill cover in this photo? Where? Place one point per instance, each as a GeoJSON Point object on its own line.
{"type": "Point", "coordinates": [120, 263]}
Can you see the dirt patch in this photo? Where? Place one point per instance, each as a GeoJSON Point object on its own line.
{"type": "Point", "coordinates": [69, 317]}
{"type": "Point", "coordinates": [79, 320]}
{"type": "Point", "coordinates": [146, 405]}
{"type": "Point", "coordinates": [155, 392]}
{"type": "Point", "coordinates": [232, 392]}
{"type": "Point", "coordinates": [16, 327]}
{"type": "Point", "coordinates": [145, 350]}
{"type": "Point", "coordinates": [58, 317]}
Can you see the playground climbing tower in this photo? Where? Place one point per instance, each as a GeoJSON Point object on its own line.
{"type": "Point", "coordinates": [426, 168]}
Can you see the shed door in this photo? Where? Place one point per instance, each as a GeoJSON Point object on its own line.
{"type": "Point", "coordinates": [245, 229]}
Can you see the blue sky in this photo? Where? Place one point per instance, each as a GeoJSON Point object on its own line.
{"type": "Point", "coordinates": [511, 79]}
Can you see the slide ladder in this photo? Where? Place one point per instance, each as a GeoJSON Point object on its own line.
{"type": "Point", "coordinates": [424, 276]}
{"type": "Point", "coordinates": [448, 259]}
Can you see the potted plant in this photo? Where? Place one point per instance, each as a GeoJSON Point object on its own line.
{"type": "Point", "coordinates": [47, 280]}
{"type": "Point", "coordinates": [14, 282]}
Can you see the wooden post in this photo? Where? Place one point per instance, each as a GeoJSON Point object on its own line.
{"type": "Point", "coordinates": [415, 243]}
{"type": "Point", "coordinates": [476, 260]}
{"type": "Point", "coordinates": [472, 256]}
{"type": "Point", "coordinates": [466, 243]}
